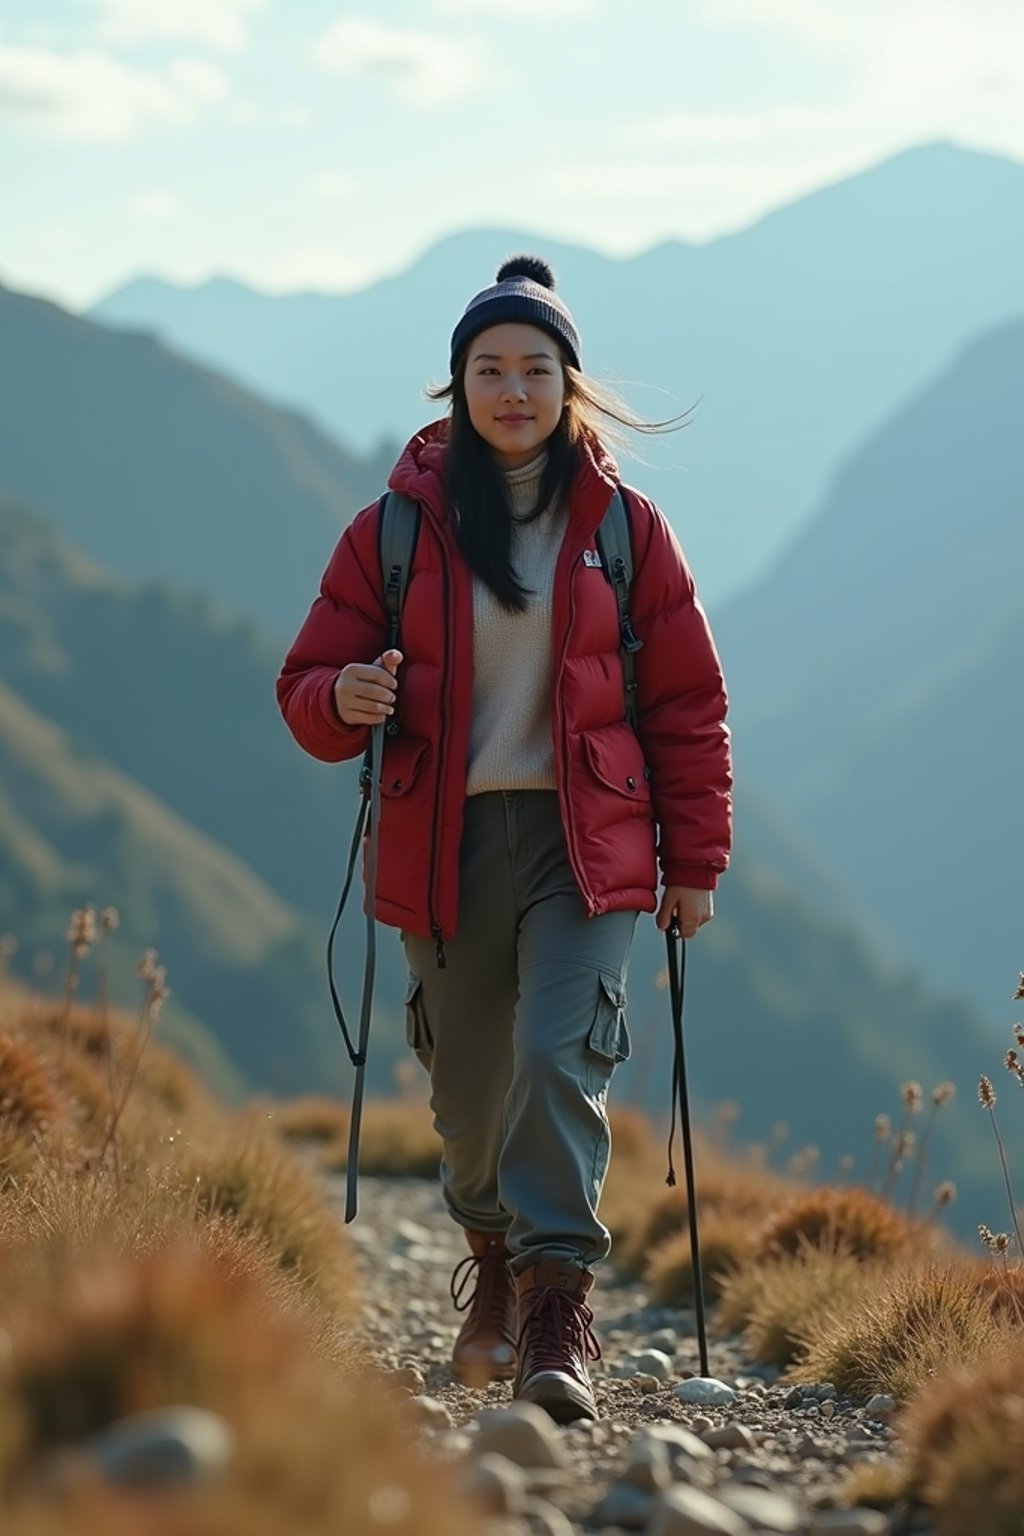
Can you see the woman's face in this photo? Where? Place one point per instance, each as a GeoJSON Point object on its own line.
{"type": "Point", "coordinates": [515, 390]}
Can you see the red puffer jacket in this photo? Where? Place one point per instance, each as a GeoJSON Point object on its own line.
{"type": "Point", "coordinates": [610, 807]}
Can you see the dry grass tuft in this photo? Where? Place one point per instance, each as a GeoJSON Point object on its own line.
{"type": "Point", "coordinates": [962, 1440]}
{"type": "Point", "coordinates": [726, 1186]}
{"type": "Point", "coordinates": [778, 1303]}
{"type": "Point", "coordinates": [876, 1485]}
{"type": "Point", "coordinates": [726, 1241]}
{"type": "Point", "coordinates": [901, 1335]}
{"type": "Point", "coordinates": [850, 1220]}
{"type": "Point", "coordinates": [238, 1171]}
{"type": "Point", "coordinates": [317, 1452]}
{"type": "Point", "coordinates": [312, 1118]}
{"type": "Point", "coordinates": [398, 1140]}
{"type": "Point", "coordinates": [30, 1101]}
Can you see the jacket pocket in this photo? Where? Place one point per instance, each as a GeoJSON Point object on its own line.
{"type": "Point", "coordinates": [616, 759]}
{"type": "Point", "coordinates": [609, 1037]}
{"type": "Point", "coordinates": [417, 1028]}
{"type": "Point", "coordinates": [403, 758]}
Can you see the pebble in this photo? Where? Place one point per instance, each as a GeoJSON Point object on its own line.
{"type": "Point", "coordinates": [429, 1412]}
{"type": "Point", "coordinates": [648, 1467]}
{"type": "Point", "coordinates": [793, 1398]}
{"type": "Point", "coordinates": [625, 1506]}
{"type": "Point", "coordinates": [496, 1484]}
{"type": "Point", "coordinates": [684, 1511]}
{"type": "Point", "coordinates": [544, 1519]}
{"type": "Point", "coordinates": [160, 1448]}
{"type": "Point", "coordinates": [705, 1390]}
{"type": "Point", "coordinates": [849, 1522]}
{"type": "Point", "coordinates": [730, 1437]}
{"type": "Point", "coordinates": [651, 1362]}
{"type": "Point", "coordinates": [765, 1511]}
{"type": "Point", "coordinates": [828, 1410]}
{"type": "Point", "coordinates": [666, 1339]}
{"type": "Point", "coordinates": [523, 1433]}
{"type": "Point", "coordinates": [881, 1405]}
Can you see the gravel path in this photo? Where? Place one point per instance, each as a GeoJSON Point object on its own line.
{"type": "Point", "coordinates": [771, 1459]}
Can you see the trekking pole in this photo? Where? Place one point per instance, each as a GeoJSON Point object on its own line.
{"type": "Point", "coordinates": [369, 810]}
{"type": "Point", "coordinates": [676, 976]}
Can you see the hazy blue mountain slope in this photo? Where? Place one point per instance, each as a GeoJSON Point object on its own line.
{"type": "Point", "coordinates": [876, 674]}
{"type": "Point", "coordinates": [794, 337]}
{"type": "Point", "coordinates": [163, 470]}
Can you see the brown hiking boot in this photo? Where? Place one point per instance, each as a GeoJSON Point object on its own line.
{"type": "Point", "coordinates": [555, 1340]}
{"type": "Point", "coordinates": [485, 1349]}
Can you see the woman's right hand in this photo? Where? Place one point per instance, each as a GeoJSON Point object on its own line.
{"type": "Point", "coordinates": [365, 695]}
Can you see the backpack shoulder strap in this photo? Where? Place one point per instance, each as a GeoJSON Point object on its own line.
{"type": "Point", "coordinates": [397, 532]}
{"type": "Point", "coordinates": [615, 547]}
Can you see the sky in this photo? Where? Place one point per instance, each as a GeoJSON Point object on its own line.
{"type": "Point", "coordinates": [322, 145]}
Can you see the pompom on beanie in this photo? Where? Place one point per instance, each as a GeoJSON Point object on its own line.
{"type": "Point", "coordinates": [524, 290]}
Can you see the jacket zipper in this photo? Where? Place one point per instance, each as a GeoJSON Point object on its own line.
{"type": "Point", "coordinates": [570, 836]}
{"type": "Point", "coordinates": [435, 927]}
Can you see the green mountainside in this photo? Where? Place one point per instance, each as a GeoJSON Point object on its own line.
{"type": "Point", "coordinates": [876, 675]}
{"type": "Point", "coordinates": [164, 471]}
{"type": "Point", "coordinates": [793, 337]}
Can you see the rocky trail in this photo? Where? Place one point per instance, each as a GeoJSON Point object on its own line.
{"type": "Point", "coordinates": [767, 1459]}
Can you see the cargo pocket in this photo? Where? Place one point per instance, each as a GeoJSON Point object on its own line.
{"type": "Point", "coordinates": [609, 1037]}
{"type": "Point", "coordinates": [417, 1030]}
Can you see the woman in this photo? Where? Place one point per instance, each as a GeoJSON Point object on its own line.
{"type": "Point", "coordinates": [523, 819]}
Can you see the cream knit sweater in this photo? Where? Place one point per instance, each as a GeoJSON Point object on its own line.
{"type": "Point", "coordinates": [510, 741]}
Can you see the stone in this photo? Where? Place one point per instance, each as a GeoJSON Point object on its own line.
{"type": "Point", "coordinates": [430, 1412]}
{"type": "Point", "coordinates": [849, 1522]}
{"type": "Point", "coordinates": [704, 1390]}
{"type": "Point", "coordinates": [544, 1519]}
{"type": "Point", "coordinates": [681, 1445]}
{"type": "Point", "coordinates": [825, 1391]}
{"type": "Point", "coordinates": [729, 1437]}
{"type": "Point", "coordinates": [625, 1506]}
{"type": "Point", "coordinates": [808, 1448]}
{"type": "Point", "coordinates": [648, 1466]}
{"type": "Point", "coordinates": [409, 1234]}
{"type": "Point", "coordinates": [765, 1511]}
{"type": "Point", "coordinates": [494, 1483]}
{"type": "Point", "coordinates": [408, 1379]}
{"type": "Point", "coordinates": [682, 1511]}
{"type": "Point", "coordinates": [522, 1432]}
{"type": "Point", "coordinates": [828, 1410]}
{"type": "Point", "coordinates": [163, 1447]}
{"type": "Point", "coordinates": [666, 1339]}
{"type": "Point", "coordinates": [647, 1384]}
{"type": "Point", "coordinates": [651, 1362]}
{"type": "Point", "coordinates": [793, 1398]}
{"type": "Point", "coordinates": [881, 1406]}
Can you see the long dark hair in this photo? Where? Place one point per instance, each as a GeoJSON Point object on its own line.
{"type": "Point", "coordinates": [476, 488]}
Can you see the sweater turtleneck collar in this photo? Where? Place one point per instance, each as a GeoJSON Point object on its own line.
{"type": "Point", "coordinates": [524, 484]}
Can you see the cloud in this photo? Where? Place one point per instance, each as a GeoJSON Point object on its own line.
{"type": "Point", "coordinates": [90, 96]}
{"type": "Point", "coordinates": [542, 10]}
{"type": "Point", "coordinates": [332, 186]}
{"type": "Point", "coordinates": [156, 207]}
{"type": "Point", "coordinates": [422, 69]}
{"type": "Point", "coordinates": [221, 25]}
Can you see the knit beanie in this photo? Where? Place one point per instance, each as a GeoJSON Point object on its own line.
{"type": "Point", "coordinates": [524, 290]}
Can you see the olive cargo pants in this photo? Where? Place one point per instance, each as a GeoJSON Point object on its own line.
{"type": "Point", "coordinates": [520, 1033]}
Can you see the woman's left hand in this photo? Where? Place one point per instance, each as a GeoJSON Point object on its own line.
{"type": "Point", "coordinates": [693, 908]}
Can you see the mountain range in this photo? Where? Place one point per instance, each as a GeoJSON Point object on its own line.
{"type": "Point", "coordinates": [876, 674]}
{"type": "Point", "coordinates": [792, 338]}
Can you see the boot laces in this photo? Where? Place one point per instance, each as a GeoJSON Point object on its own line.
{"type": "Point", "coordinates": [558, 1324]}
{"type": "Point", "coordinates": [485, 1273]}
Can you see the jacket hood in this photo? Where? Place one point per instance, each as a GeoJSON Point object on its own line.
{"type": "Point", "coordinates": [419, 473]}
